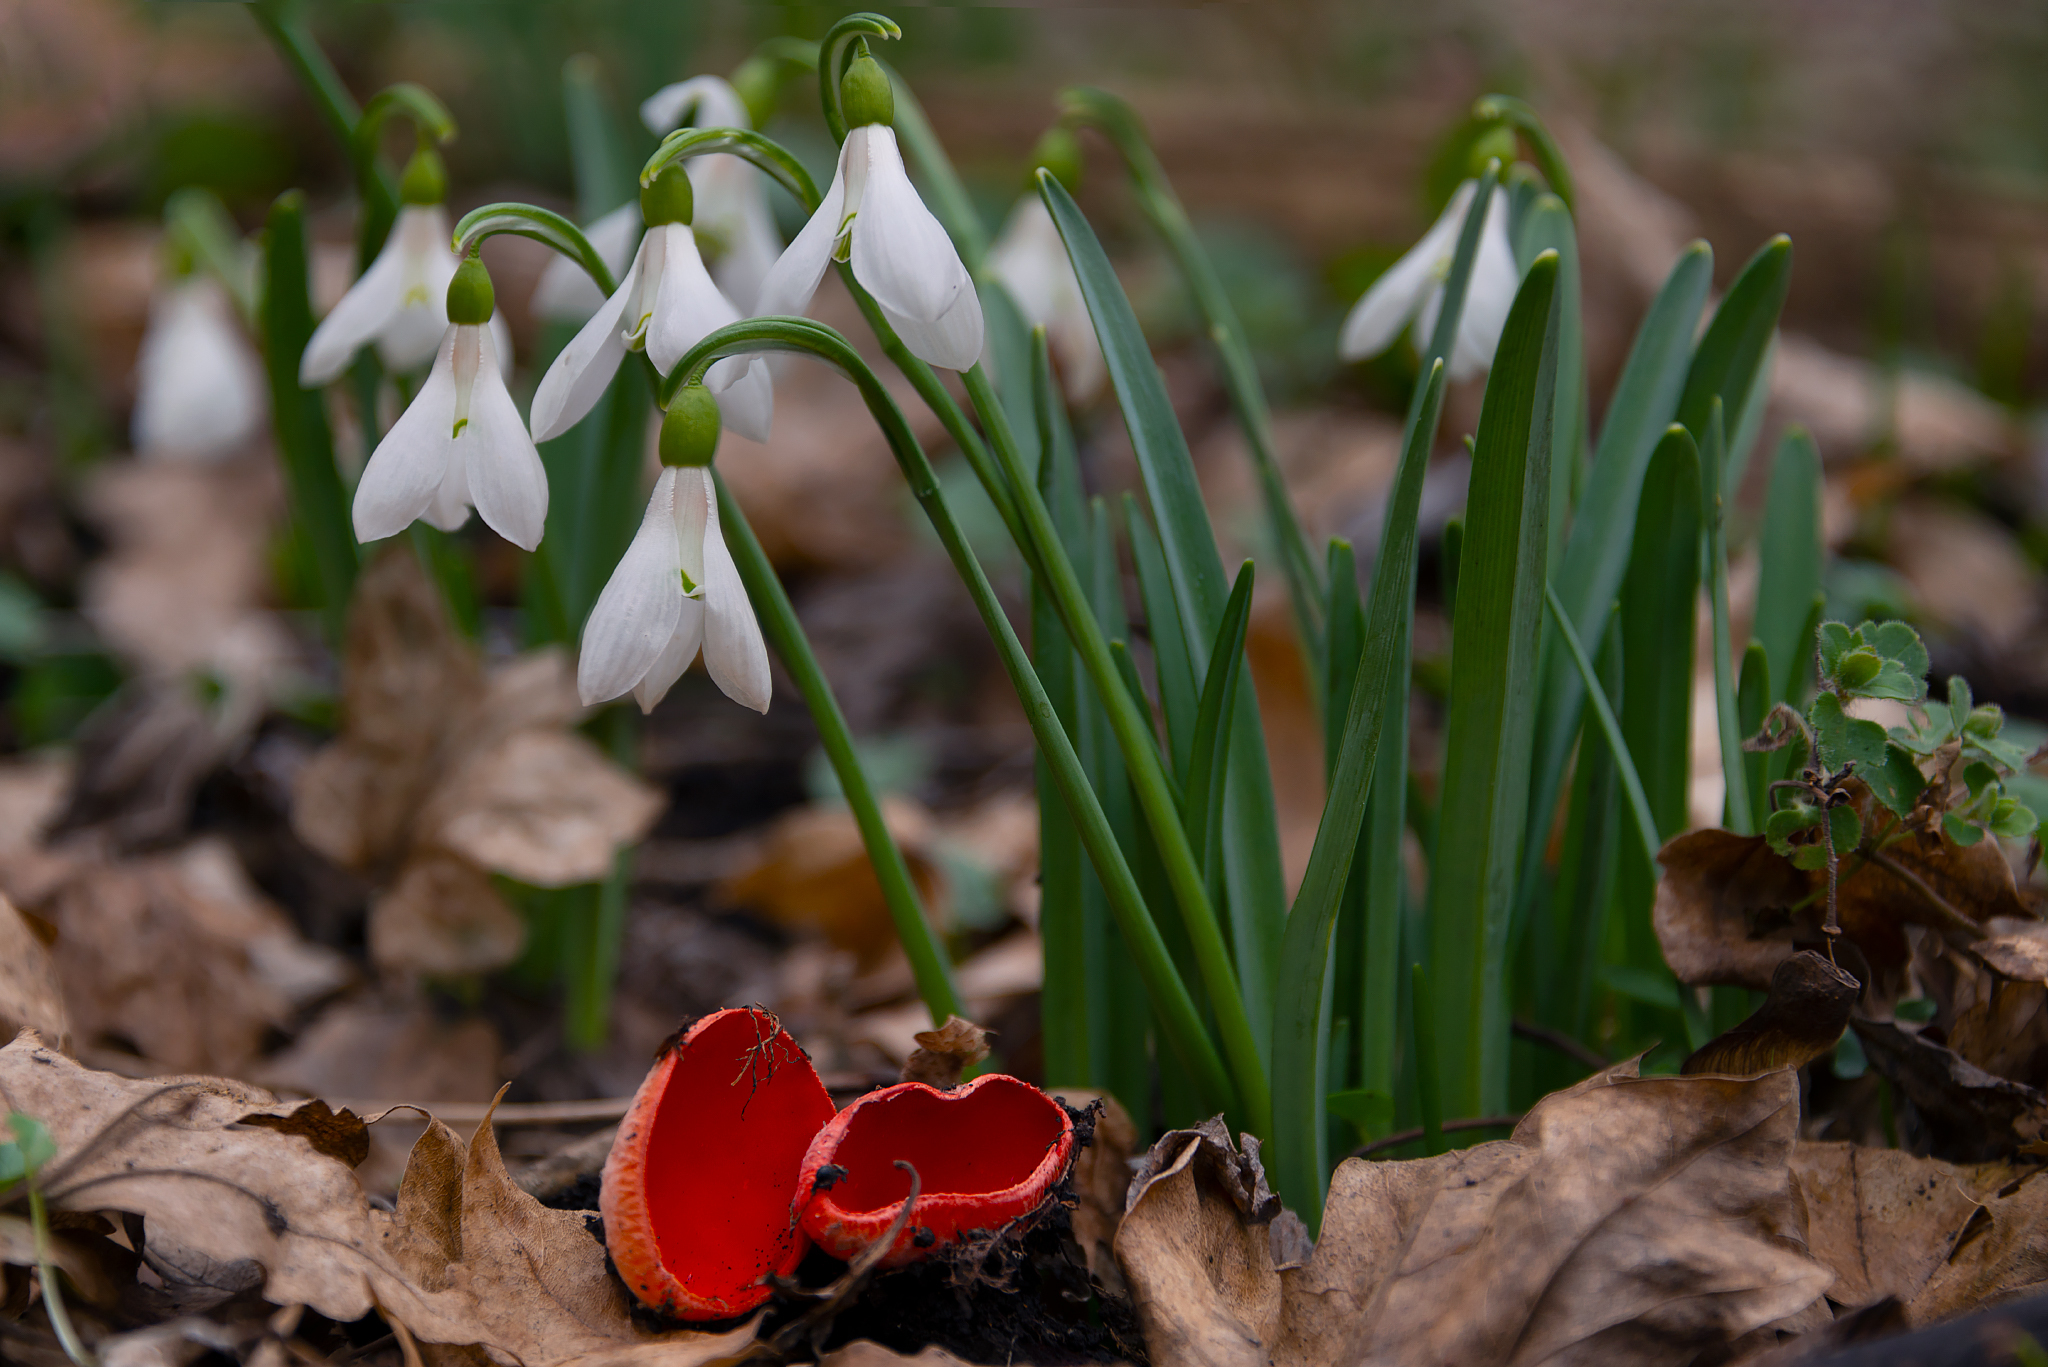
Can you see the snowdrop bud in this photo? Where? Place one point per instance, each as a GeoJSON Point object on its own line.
{"type": "Point", "coordinates": [1495, 144]}
{"type": "Point", "coordinates": [425, 180]}
{"type": "Point", "coordinates": [669, 199]}
{"type": "Point", "coordinates": [689, 431]}
{"type": "Point", "coordinates": [470, 296]}
{"type": "Point", "coordinates": [865, 93]}
{"type": "Point", "coordinates": [1059, 152]}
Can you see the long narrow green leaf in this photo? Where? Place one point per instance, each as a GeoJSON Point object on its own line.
{"type": "Point", "coordinates": [1156, 197]}
{"type": "Point", "coordinates": [928, 963]}
{"type": "Point", "coordinates": [1731, 351]}
{"type": "Point", "coordinates": [1790, 571]}
{"type": "Point", "coordinates": [1712, 460]}
{"type": "Point", "coordinates": [1170, 662]}
{"type": "Point", "coordinates": [1180, 1024]}
{"type": "Point", "coordinates": [1428, 1061]}
{"type": "Point", "coordinates": [1493, 666]}
{"type": "Point", "coordinates": [1548, 227]}
{"type": "Point", "coordinates": [1752, 703]}
{"type": "Point", "coordinates": [1207, 766]}
{"type": "Point", "coordinates": [598, 156]}
{"type": "Point", "coordinates": [1297, 1156]}
{"type": "Point", "coordinates": [1597, 551]}
{"type": "Point", "coordinates": [1585, 877]}
{"type": "Point", "coordinates": [304, 443]}
{"type": "Point", "coordinates": [1610, 729]}
{"type": "Point", "coordinates": [1195, 567]}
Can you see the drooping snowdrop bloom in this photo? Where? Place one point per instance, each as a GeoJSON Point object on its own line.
{"type": "Point", "coordinates": [1413, 288]}
{"type": "Point", "coordinates": [676, 591]}
{"type": "Point", "coordinates": [665, 304]}
{"type": "Point", "coordinates": [198, 385]}
{"type": "Point", "coordinates": [460, 444]}
{"type": "Point", "coordinates": [873, 217]}
{"type": "Point", "coordinates": [400, 303]}
{"type": "Point", "coordinates": [1031, 260]}
{"type": "Point", "coordinates": [566, 293]}
{"type": "Point", "coordinates": [735, 230]}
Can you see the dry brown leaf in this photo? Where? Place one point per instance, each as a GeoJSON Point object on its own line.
{"type": "Point", "coordinates": [545, 807]}
{"type": "Point", "coordinates": [1628, 1220]}
{"type": "Point", "coordinates": [1102, 1178]}
{"type": "Point", "coordinates": [942, 1055]}
{"type": "Point", "coordinates": [1884, 1220]}
{"type": "Point", "coordinates": [443, 917]}
{"type": "Point", "coordinates": [811, 870]}
{"type": "Point", "coordinates": [30, 995]}
{"type": "Point", "coordinates": [1714, 886]}
{"type": "Point", "coordinates": [467, 1258]}
{"type": "Point", "coordinates": [2001, 1252]}
{"type": "Point", "coordinates": [1966, 1113]}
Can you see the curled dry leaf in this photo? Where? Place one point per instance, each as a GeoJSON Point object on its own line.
{"type": "Point", "coordinates": [467, 1259]}
{"type": "Point", "coordinates": [1998, 1002]}
{"type": "Point", "coordinates": [942, 1055]}
{"type": "Point", "coordinates": [30, 996]}
{"type": "Point", "coordinates": [1628, 1220]}
{"type": "Point", "coordinates": [1102, 1177]}
{"type": "Point", "coordinates": [1967, 1113]}
{"type": "Point", "coordinates": [1805, 1013]}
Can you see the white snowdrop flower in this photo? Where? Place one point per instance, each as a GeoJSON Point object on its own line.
{"type": "Point", "coordinates": [566, 293]}
{"type": "Point", "coordinates": [460, 444]}
{"type": "Point", "coordinates": [873, 217]}
{"type": "Point", "coordinates": [400, 302]}
{"type": "Point", "coordinates": [1413, 288]}
{"type": "Point", "coordinates": [735, 229]}
{"type": "Point", "coordinates": [665, 304]}
{"type": "Point", "coordinates": [198, 384]}
{"type": "Point", "coordinates": [1031, 261]}
{"type": "Point", "coordinates": [676, 590]}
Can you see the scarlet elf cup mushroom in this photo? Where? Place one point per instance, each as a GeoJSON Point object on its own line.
{"type": "Point", "coordinates": [985, 1154]}
{"type": "Point", "coordinates": [700, 1189]}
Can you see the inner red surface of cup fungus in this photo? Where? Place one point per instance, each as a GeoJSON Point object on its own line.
{"type": "Point", "coordinates": [699, 1189]}
{"type": "Point", "coordinates": [985, 1154]}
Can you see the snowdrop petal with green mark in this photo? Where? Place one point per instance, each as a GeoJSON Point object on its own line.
{"type": "Point", "coordinates": [566, 293]}
{"type": "Point", "coordinates": [460, 442]}
{"type": "Point", "coordinates": [675, 591]}
{"type": "Point", "coordinates": [1413, 289]}
{"type": "Point", "coordinates": [1030, 260]}
{"type": "Point", "coordinates": [577, 379]}
{"type": "Point", "coordinates": [198, 385]}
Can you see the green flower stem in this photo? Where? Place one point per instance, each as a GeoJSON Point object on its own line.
{"type": "Point", "coordinates": [928, 965]}
{"type": "Point", "coordinates": [1179, 1022]}
{"type": "Point", "coordinates": [1162, 207]}
{"type": "Point", "coordinates": [53, 1295]}
{"type": "Point", "coordinates": [1140, 747]}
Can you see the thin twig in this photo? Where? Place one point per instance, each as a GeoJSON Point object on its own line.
{"type": "Point", "coordinates": [1400, 1137]}
{"type": "Point", "coordinates": [1560, 1041]}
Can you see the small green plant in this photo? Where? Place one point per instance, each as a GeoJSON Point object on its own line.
{"type": "Point", "coordinates": [21, 1159]}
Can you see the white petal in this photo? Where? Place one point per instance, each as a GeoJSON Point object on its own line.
{"type": "Point", "coordinates": [746, 395]}
{"type": "Point", "coordinates": [1078, 351]}
{"type": "Point", "coordinates": [635, 617]}
{"type": "Point", "coordinates": [1495, 279]}
{"type": "Point", "coordinates": [198, 389]}
{"type": "Point", "coordinates": [675, 657]}
{"type": "Point", "coordinates": [577, 379]}
{"type": "Point", "coordinates": [412, 331]}
{"type": "Point", "coordinates": [794, 278]}
{"type": "Point", "coordinates": [1377, 318]}
{"type": "Point", "coordinates": [734, 654]}
{"type": "Point", "coordinates": [566, 293]}
{"type": "Point", "coordinates": [450, 508]}
{"type": "Point", "coordinates": [954, 340]}
{"type": "Point", "coordinates": [688, 305]}
{"type": "Point", "coordinates": [501, 342]}
{"type": "Point", "coordinates": [718, 106]}
{"type": "Point", "coordinates": [360, 315]}
{"type": "Point", "coordinates": [901, 254]}
{"type": "Point", "coordinates": [406, 469]}
{"type": "Point", "coordinates": [742, 219]}
{"type": "Point", "coordinates": [507, 482]}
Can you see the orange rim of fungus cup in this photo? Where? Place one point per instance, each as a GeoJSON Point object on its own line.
{"type": "Point", "coordinates": [699, 1191]}
{"type": "Point", "coordinates": [985, 1154]}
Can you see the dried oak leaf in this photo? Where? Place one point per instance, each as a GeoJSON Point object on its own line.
{"type": "Point", "coordinates": [1998, 1002]}
{"type": "Point", "coordinates": [1102, 1178]}
{"type": "Point", "coordinates": [944, 1054]}
{"type": "Point", "coordinates": [1884, 1220]}
{"type": "Point", "coordinates": [1968, 1114]}
{"type": "Point", "coordinates": [1627, 1221]}
{"type": "Point", "coordinates": [467, 1259]}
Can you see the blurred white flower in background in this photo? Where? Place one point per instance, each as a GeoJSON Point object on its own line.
{"type": "Point", "coordinates": [460, 443]}
{"type": "Point", "coordinates": [198, 384]}
{"type": "Point", "coordinates": [676, 591]}
{"type": "Point", "coordinates": [872, 216]}
{"type": "Point", "coordinates": [735, 230]}
{"type": "Point", "coordinates": [1030, 260]}
{"type": "Point", "coordinates": [1413, 288]}
{"type": "Point", "coordinates": [566, 293]}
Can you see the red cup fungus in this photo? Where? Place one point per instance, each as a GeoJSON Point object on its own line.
{"type": "Point", "coordinates": [700, 1189]}
{"type": "Point", "coordinates": [985, 1154]}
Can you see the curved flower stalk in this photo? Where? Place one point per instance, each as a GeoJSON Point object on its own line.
{"type": "Point", "coordinates": [872, 217]}
{"type": "Point", "coordinates": [198, 384]}
{"type": "Point", "coordinates": [676, 591]}
{"type": "Point", "coordinates": [665, 302]}
{"type": "Point", "coordinates": [566, 293]}
{"type": "Point", "coordinates": [460, 444]}
{"type": "Point", "coordinates": [1413, 288]}
{"type": "Point", "coordinates": [1030, 260]}
{"type": "Point", "coordinates": [735, 231]}
{"type": "Point", "coordinates": [400, 302]}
